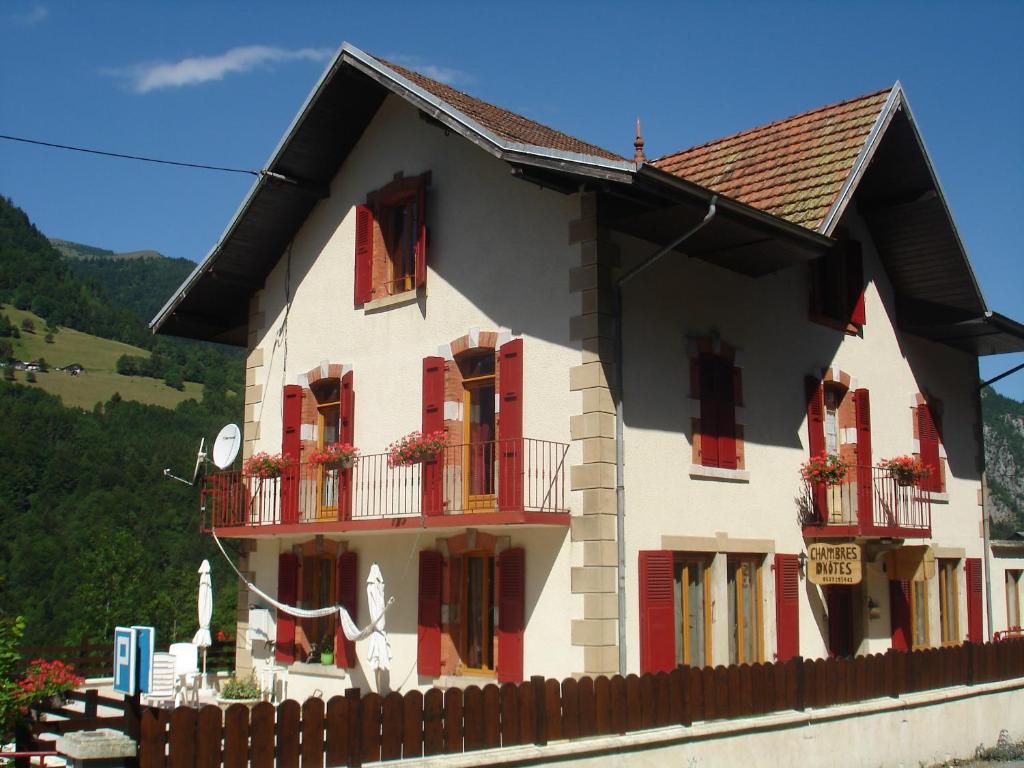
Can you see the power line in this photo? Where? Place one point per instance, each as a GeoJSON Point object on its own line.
{"type": "Point", "coordinates": [130, 157]}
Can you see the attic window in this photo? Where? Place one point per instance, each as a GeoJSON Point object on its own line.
{"type": "Point", "coordinates": [837, 288]}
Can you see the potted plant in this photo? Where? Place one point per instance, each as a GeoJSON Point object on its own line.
{"type": "Point", "coordinates": [335, 456]}
{"type": "Point", "coordinates": [47, 681]}
{"type": "Point", "coordinates": [416, 448]}
{"type": "Point", "coordinates": [265, 465]}
{"type": "Point", "coordinates": [905, 470]}
{"type": "Point", "coordinates": [825, 468]}
{"type": "Point", "coordinates": [327, 652]}
{"type": "Point", "coordinates": [239, 691]}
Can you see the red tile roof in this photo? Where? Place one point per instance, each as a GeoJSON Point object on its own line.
{"type": "Point", "coordinates": [507, 125]}
{"type": "Point", "coordinates": [792, 168]}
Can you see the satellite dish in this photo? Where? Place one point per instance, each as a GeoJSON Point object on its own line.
{"type": "Point", "coordinates": [200, 458]}
{"type": "Point", "coordinates": [225, 447]}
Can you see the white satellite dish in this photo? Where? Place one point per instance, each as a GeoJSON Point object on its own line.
{"type": "Point", "coordinates": [200, 458]}
{"type": "Point", "coordinates": [225, 447]}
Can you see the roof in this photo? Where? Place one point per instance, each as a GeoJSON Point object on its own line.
{"type": "Point", "coordinates": [793, 168]}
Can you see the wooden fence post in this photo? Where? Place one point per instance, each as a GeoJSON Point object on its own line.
{"type": "Point", "coordinates": [801, 684]}
{"type": "Point", "coordinates": [133, 724]}
{"type": "Point", "coordinates": [91, 704]}
{"type": "Point", "coordinates": [540, 733]}
{"type": "Point", "coordinates": [355, 727]}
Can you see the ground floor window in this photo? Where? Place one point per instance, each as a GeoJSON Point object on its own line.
{"type": "Point", "coordinates": [474, 577]}
{"type": "Point", "coordinates": [1013, 579]}
{"type": "Point", "coordinates": [693, 610]}
{"type": "Point", "coordinates": [919, 614]}
{"type": "Point", "coordinates": [745, 620]}
{"type": "Point", "coordinates": [949, 602]}
{"type": "Point", "coordinates": [318, 591]}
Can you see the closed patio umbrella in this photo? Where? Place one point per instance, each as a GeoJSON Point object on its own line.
{"type": "Point", "coordinates": [205, 605]}
{"type": "Point", "coordinates": [378, 650]}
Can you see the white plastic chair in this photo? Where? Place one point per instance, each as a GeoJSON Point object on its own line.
{"type": "Point", "coordinates": [163, 688]}
{"type": "Point", "coordinates": [186, 670]}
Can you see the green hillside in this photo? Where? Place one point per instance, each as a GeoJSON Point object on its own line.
{"type": "Point", "coordinates": [72, 250]}
{"type": "Point", "coordinates": [99, 357]}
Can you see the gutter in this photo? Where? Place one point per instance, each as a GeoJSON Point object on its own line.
{"type": "Point", "coordinates": [620, 452]}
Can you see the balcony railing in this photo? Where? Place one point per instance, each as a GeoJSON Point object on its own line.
{"type": "Point", "coordinates": [522, 475]}
{"type": "Point", "coordinates": [869, 502]}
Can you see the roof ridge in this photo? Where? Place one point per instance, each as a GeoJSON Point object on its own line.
{"type": "Point", "coordinates": [774, 123]}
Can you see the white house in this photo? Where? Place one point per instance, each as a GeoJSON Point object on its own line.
{"type": "Point", "coordinates": [630, 358]}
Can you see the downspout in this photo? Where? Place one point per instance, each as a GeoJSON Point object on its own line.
{"type": "Point", "coordinates": [620, 454]}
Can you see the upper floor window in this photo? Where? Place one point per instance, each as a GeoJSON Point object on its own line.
{"type": "Point", "coordinates": [391, 239]}
{"type": "Point", "coordinates": [715, 382]}
{"type": "Point", "coordinates": [929, 441]}
{"type": "Point", "coordinates": [837, 287]}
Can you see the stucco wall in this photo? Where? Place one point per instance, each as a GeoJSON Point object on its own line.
{"type": "Point", "coordinates": [1002, 560]}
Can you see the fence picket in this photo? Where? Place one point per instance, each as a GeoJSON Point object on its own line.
{"type": "Point", "coordinates": [570, 709]}
{"type": "Point", "coordinates": [509, 715]}
{"type": "Point", "coordinates": [648, 702]}
{"type": "Point", "coordinates": [588, 707]}
{"type": "Point", "coordinates": [553, 709]}
{"type": "Point", "coordinates": [433, 722]}
{"type": "Point", "coordinates": [336, 742]}
{"type": "Point", "coordinates": [472, 718]}
{"type": "Point", "coordinates": [527, 716]}
{"type": "Point", "coordinates": [710, 697]}
{"type": "Point", "coordinates": [391, 727]}
{"type": "Point", "coordinates": [236, 736]}
{"type": "Point", "coordinates": [619, 704]}
{"type": "Point", "coordinates": [602, 706]}
{"type": "Point", "coordinates": [289, 717]}
{"type": "Point", "coordinates": [153, 739]}
{"type": "Point", "coordinates": [412, 724]}
{"type": "Point", "coordinates": [634, 707]}
{"type": "Point", "coordinates": [261, 735]}
{"type": "Point", "coordinates": [721, 677]}
{"type": "Point", "coordinates": [183, 738]}
{"type": "Point", "coordinates": [694, 701]}
{"type": "Point", "coordinates": [492, 716]}
{"type": "Point", "coordinates": [312, 733]}
{"type": "Point", "coordinates": [370, 737]}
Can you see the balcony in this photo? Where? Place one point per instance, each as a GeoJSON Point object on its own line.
{"type": "Point", "coordinates": [500, 482]}
{"type": "Point", "coordinates": [870, 503]}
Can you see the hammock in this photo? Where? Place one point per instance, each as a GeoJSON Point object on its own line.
{"type": "Point", "coordinates": [348, 627]}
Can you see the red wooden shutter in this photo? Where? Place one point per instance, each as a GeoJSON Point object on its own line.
{"type": "Point", "coordinates": [510, 425]}
{"type": "Point", "coordinates": [928, 439]}
{"type": "Point", "coordinates": [287, 593]}
{"type": "Point", "coordinates": [709, 394]}
{"type": "Point", "coordinates": [346, 579]}
{"type": "Point", "coordinates": [899, 614]}
{"type": "Point", "coordinates": [364, 254]}
{"type": "Point", "coordinates": [511, 615]}
{"type": "Point", "coordinates": [346, 434]}
{"type": "Point", "coordinates": [291, 448]}
{"type": "Point", "coordinates": [657, 612]}
{"type": "Point", "coordinates": [433, 421]}
{"type": "Point", "coordinates": [816, 440]}
{"type": "Point", "coordinates": [421, 236]}
{"type": "Point", "coordinates": [726, 415]}
{"type": "Point", "coordinates": [865, 479]}
{"type": "Point", "coordinates": [855, 282]}
{"type": "Point", "coordinates": [787, 606]}
{"type": "Point", "coordinates": [972, 567]}
{"type": "Point", "coordinates": [428, 646]}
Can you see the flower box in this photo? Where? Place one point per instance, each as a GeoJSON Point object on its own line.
{"type": "Point", "coordinates": [825, 468]}
{"type": "Point", "coordinates": [335, 456]}
{"type": "Point", "coordinates": [265, 465]}
{"type": "Point", "coordinates": [905, 470]}
{"type": "Point", "coordinates": [416, 448]}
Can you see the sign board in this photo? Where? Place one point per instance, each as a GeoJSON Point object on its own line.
{"type": "Point", "coordinates": [914, 563]}
{"type": "Point", "coordinates": [834, 563]}
{"type": "Point", "coordinates": [144, 638]}
{"type": "Point", "coordinates": [126, 651]}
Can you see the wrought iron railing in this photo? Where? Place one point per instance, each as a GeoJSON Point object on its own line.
{"type": "Point", "coordinates": [521, 475]}
{"type": "Point", "coordinates": [886, 504]}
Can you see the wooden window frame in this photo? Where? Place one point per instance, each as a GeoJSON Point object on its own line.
{"type": "Point", "coordinates": [401, 191]}
{"type": "Point", "coordinates": [949, 615]}
{"type": "Point", "coordinates": [737, 561]}
{"type": "Point", "coordinates": [488, 590]}
{"type": "Point", "coordinates": [332, 598]}
{"type": "Point", "coordinates": [1013, 576]}
{"type": "Point", "coordinates": [484, 502]}
{"type": "Point", "coordinates": [321, 471]}
{"type": "Point", "coordinates": [681, 562]}
{"type": "Point", "coordinates": [915, 606]}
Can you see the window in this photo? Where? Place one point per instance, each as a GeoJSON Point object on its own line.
{"type": "Point", "coordinates": [317, 591]}
{"type": "Point", "coordinates": [745, 636]}
{"type": "Point", "coordinates": [717, 384]}
{"type": "Point", "coordinates": [837, 287]}
{"type": "Point", "coordinates": [391, 239]}
{"type": "Point", "coordinates": [475, 638]}
{"type": "Point", "coordinates": [479, 428]}
{"type": "Point", "coordinates": [928, 441]}
{"type": "Point", "coordinates": [693, 610]}
{"type": "Point", "coordinates": [919, 614]}
{"type": "Point", "coordinates": [832, 398]}
{"type": "Point", "coordinates": [949, 602]}
{"type": "Point", "coordinates": [1013, 599]}
{"type": "Point", "coordinates": [328, 397]}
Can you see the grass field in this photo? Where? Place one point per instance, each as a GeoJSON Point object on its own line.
{"type": "Point", "coordinates": [99, 357]}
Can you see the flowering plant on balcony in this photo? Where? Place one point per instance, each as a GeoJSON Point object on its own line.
{"type": "Point", "coordinates": [265, 465]}
{"type": "Point", "coordinates": [825, 468]}
{"type": "Point", "coordinates": [415, 448]}
{"type": "Point", "coordinates": [45, 680]}
{"type": "Point", "coordinates": [905, 470]}
{"type": "Point", "coordinates": [335, 456]}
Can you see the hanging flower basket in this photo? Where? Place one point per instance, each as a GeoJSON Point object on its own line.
{"type": "Point", "coordinates": [825, 468]}
{"type": "Point", "coordinates": [905, 470]}
{"type": "Point", "coordinates": [416, 448]}
{"type": "Point", "coordinates": [265, 465]}
{"type": "Point", "coordinates": [335, 456]}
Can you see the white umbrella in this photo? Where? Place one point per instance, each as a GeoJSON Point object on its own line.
{"type": "Point", "coordinates": [202, 637]}
{"type": "Point", "coordinates": [378, 650]}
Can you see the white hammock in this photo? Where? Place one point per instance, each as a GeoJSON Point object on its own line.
{"type": "Point", "coordinates": [348, 627]}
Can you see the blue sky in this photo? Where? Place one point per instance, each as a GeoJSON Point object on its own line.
{"type": "Point", "coordinates": [219, 83]}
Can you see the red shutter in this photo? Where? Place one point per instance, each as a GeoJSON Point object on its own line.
{"type": "Point", "coordinates": [972, 567]}
{"type": "Point", "coordinates": [433, 421]}
{"type": "Point", "coordinates": [709, 393]}
{"type": "Point", "coordinates": [510, 425]}
{"type": "Point", "coordinates": [428, 646]}
{"type": "Point", "coordinates": [511, 615]}
{"type": "Point", "coordinates": [291, 448]}
{"type": "Point", "coordinates": [347, 581]}
{"type": "Point", "coordinates": [787, 606]}
{"type": "Point", "coordinates": [855, 282]}
{"type": "Point", "coordinates": [816, 439]}
{"type": "Point", "coordinates": [726, 415]}
{"type": "Point", "coordinates": [346, 434]}
{"type": "Point", "coordinates": [899, 614]}
{"type": "Point", "coordinates": [421, 236]}
{"type": "Point", "coordinates": [657, 612]}
{"type": "Point", "coordinates": [865, 480]}
{"type": "Point", "coordinates": [928, 439]}
{"type": "Point", "coordinates": [287, 593]}
{"type": "Point", "coordinates": [364, 254]}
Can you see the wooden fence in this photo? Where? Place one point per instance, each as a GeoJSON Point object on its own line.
{"type": "Point", "coordinates": [355, 729]}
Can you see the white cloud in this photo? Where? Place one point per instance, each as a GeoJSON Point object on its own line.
{"type": "Point", "coordinates": [446, 75]}
{"type": "Point", "coordinates": [151, 76]}
{"type": "Point", "coordinates": [34, 15]}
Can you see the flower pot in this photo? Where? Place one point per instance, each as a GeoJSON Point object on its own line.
{"type": "Point", "coordinates": [225, 703]}
{"type": "Point", "coordinates": [327, 658]}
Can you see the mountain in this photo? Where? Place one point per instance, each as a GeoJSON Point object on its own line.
{"type": "Point", "coordinates": [71, 250]}
{"type": "Point", "coordinates": [1004, 458]}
